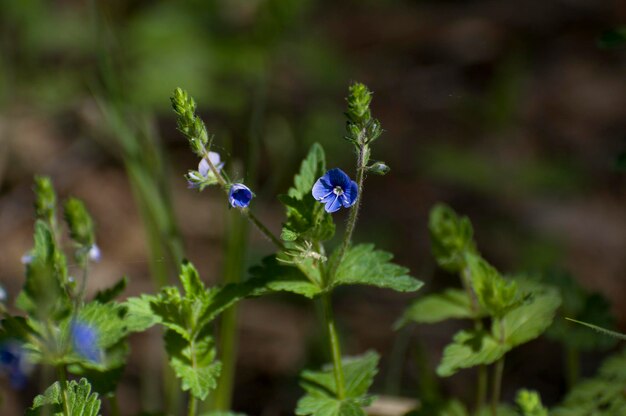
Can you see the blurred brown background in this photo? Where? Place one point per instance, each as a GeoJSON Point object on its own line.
{"type": "Point", "coordinates": [509, 111]}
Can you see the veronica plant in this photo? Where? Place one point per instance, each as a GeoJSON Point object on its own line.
{"type": "Point", "coordinates": [62, 329]}
{"type": "Point", "coordinates": [505, 312]}
{"type": "Point", "coordinates": [302, 265]}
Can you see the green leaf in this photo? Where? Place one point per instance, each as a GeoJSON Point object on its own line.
{"type": "Point", "coordinates": [529, 319]}
{"type": "Point", "coordinates": [601, 395]}
{"type": "Point", "coordinates": [43, 293]}
{"type": "Point", "coordinates": [193, 362]}
{"type": "Point", "coordinates": [494, 293]}
{"type": "Point", "coordinates": [328, 406]}
{"type": "Point", "coordinates": [272, 276]}
{"type": "Point", "coordinates": [530, 404]}
{"type": "Point", "coordinates": [80, 400]}
{"type": "Point", "coordinates": [363, 265]}
{"type": "Point", "coordinates": [470, 348]}
{"type": "Point", "coordinates": [139, 314]}
{"type": "Point", "coordinates": [321, 398]}
{"type": "Point", "coordinates": [429, 309]}
{"type": "Point", "coordinates": [190, 279]}
{"type": "Point", "coordinates": [451, 238]}
{"type": "Point", "coordinates": [306, 218]}
{"type": "Point", "coordinates": [109, 294]}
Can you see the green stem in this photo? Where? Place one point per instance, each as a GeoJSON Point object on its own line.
{"type": "Point", "coordinates": [481, 375]}
{"type": "Point", "coordinates": [497, 386]}
{"type": "Point", "coordinates": [354, 211]}
{"type": "Point", "coordinates": [335, 348]}
{"type": "Point", "coordinates": [245, 211]}
{"type": "Point", "coordinates": [572, 357]}
{"type": "Point", "coordinates": [193, 404]}
{"type": "Point", "coordinates": [63, 381]}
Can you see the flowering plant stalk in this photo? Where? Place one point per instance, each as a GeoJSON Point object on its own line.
{"type": "Point", "coordinates": [301, 265]}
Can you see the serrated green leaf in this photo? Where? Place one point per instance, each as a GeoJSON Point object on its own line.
{"type": "Point", "coordinates": [328, 406]}
{"type": "Point", "coordinates": [321, 398]}
{"type": "Point", "coordinates": [530, 319]}
{"type": "Point", "coordinates": [190, 279]}
{"type": "Point", "coordinates": [109, 294]}
{"type": "Point", "coordinates": [429, 309]}
{"type": "Point", "coordinates": [601, 395]}
{"type": "Point", "coordinates": [363, 265]}
{"type": "Point", "coordinates": [107, 318]}
{"type": "Point", "coordinates": [80, 400]}
{"type": "Point", "coordinates": [306, 218]}
{"type": "Point", "coordinates": [469, 349]}
{"type": "Point", "coordinates": [139, 314]}
{"type": "Point", "coordinates": [272, 276]}
{"type": "Point", "coordinates": [495, 294]}
{"type": "Point", "coordinates": [451, 237]}
{"type": "Point", "coordinates": [193, 362]}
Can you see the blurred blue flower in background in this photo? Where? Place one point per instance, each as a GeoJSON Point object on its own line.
{"type": "Point", "coordinates": [85, 341]}
{"type": "Point", "coordinates": [239, 195]}
{"type": "Point", "coordinates": [14, 364]}
{"type": "Point", "coordinates": [335, 189]}
{"type": "Point", "coordinates": [94, 253]}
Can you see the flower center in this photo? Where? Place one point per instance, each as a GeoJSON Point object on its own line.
{"type": "Point", "coordinates": [338, 190]}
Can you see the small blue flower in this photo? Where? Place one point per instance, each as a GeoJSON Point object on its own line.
{"type": "Point", "coordinates": [14, 363]}
{"type": "Point", "coordinates": [198, 179]}
{"type": "Point", "coordinates": [335, 189]}
{"type": "Point", "coordinates": [85, 341]}
{"type": "Point", "coordinates": [94, 253]}
{"type": "Point", "coordinates": [239, 195]}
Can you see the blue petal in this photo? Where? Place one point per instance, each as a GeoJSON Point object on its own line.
{"type": "Point", "coordinates": [322, 189]}
{"type": "Point", "coordinates": [337, 177]}
{"type": "Point", "coordinates": [333, 204]}
{"type": "Point", "coordinates": [350, 195]}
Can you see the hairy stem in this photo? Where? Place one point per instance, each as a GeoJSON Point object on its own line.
{"type": "Point", "coordinates": [334, 346]}
{"type": "Point", "coordinates": [354, 211]}
{"type": "Point", "coordinates": [572, 357]}
{"type": "Point", "coordinates": [114, 405]}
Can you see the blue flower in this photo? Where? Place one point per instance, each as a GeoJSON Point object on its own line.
{"type": "Point", "coordinates": [85, 341]}
{"type": "Point", "coordinates": [198, 179]}
{"type": "Point", "coordinates": [94, 253]}
{"type": "Point", "coordinates": [335, 189]}
{"type": "Point", "coordinates": [14, 363]}
{"type": "Point", "coordinates": [239, 195]}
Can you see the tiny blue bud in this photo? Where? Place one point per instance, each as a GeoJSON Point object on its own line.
{"type": "Point", "coordinates": [335, 189]}
{"type": "Point", "coordinates": [85, 341]}
{"type": "Point", "coordinates": [203, 166]}
{"type": "Point", "coordinates": [239, 195]}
